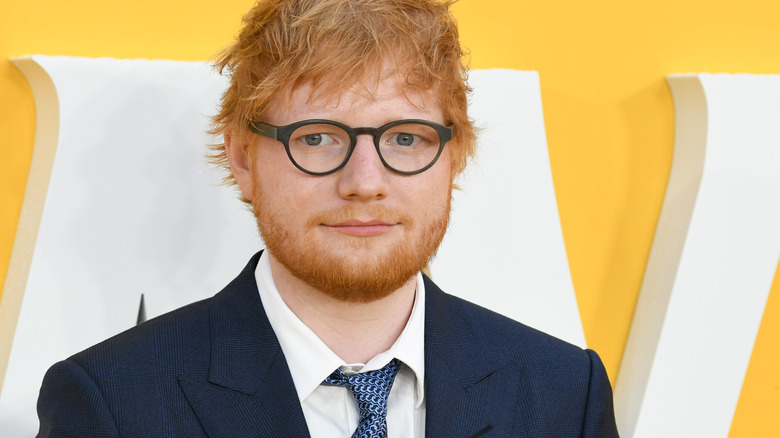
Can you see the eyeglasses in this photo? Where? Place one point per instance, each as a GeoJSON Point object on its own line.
{"type": "Point", "coordinates": [321, 147]}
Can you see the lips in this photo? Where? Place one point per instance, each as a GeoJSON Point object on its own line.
{"type": "Point", "coordinates": [362, 228]}
{"type": "Point", "coordinates": [361, 221]}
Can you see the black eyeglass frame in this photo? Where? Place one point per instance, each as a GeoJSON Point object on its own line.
{"type": "Point", "coordinates": [283, 133]}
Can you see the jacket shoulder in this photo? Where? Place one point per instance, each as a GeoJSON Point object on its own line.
{"type": "Point", "coordinates": [500, 333]}
{"type": "Point", "coordinates": [547, 386]}
{"type": "Point", "coordinates": [165, 337]}
{"type": "Point", "coordinates": [118, 385]}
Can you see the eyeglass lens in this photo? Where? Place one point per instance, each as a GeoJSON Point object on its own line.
{"type": "Point", "coordinates": [322, 147]}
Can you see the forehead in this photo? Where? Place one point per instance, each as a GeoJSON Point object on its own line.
{"type": "Point", "coordinates": [388, 95]}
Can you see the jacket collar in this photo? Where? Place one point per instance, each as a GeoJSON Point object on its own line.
{"type": "Point", "coordinates": [249, 391]}
{"type": "Point", "coordinates": [458, 370]}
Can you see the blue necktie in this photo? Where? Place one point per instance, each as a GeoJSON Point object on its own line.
{"type": "Point", "coordinates": [370, 389]}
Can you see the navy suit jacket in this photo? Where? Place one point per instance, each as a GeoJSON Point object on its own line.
{"type": "Point", "coordinates": [215, 368]}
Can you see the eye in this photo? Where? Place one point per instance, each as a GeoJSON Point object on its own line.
{"type": "Point", "coordinates": [317, 139]}
{"type": "Point", "coordinates": [404, 139]}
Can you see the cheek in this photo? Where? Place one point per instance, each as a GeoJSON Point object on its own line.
{"type": "Point", "coordinates": [442, 177]}
{"type": "Point", "coordinates": [272, 170]}
{"type": "Point", "coordinates": [432, 192]}
{"type": "Point", "coordinates": [288, 191]}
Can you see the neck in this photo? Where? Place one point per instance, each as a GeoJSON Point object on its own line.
{"type": "Point", "coordinates": [354, 331]}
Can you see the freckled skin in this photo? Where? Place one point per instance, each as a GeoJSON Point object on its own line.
{"type": "Point", "coordinates": [312, 224]}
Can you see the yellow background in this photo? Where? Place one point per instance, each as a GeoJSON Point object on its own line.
{"type": "Point", "coordinates": [608, 112]}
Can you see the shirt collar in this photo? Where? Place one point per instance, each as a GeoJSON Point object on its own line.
{"type": "Point", "coordinates": [311, 361]}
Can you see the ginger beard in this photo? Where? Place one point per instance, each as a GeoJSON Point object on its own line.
{"type": "Point", "coordinates": [331, 270]}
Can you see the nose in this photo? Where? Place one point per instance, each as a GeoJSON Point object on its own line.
{"type": "Point", "coordinates": [364, 177]}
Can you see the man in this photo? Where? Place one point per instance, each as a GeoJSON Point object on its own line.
{"type": "Point", "coordinates": [345, 126]}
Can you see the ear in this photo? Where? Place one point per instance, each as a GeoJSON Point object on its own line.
{"type": "Point", "coordinates": [240, 164]}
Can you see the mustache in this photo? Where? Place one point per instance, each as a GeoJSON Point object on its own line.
{"type": "Point", "coordinates": [374, 212]}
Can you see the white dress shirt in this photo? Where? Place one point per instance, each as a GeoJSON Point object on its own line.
{"type": "Point", "coordinates": [331, 411]}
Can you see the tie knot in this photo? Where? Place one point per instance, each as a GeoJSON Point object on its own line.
{"type": "Point", "coordinates": [370, 390]}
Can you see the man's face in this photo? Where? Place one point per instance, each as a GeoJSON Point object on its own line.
{"type": "Point", "coordinates": [364, 231]}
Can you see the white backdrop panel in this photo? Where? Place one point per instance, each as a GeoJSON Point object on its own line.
{"type": "Point", "coordinates": [132, 207]}
{"type": "Point", "coordinates": [712, 263]}
{"type": "Point", "coordinates": [505, 248]}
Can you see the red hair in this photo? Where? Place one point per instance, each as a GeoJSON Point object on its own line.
{"type": "Point", "coordinates": [334, 44]}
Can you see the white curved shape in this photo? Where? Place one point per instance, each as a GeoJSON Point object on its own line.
{"type": "Point", "coordinates": [712, 264]}
{"type": "Point", "coordinates": [131, 207]}
{"type": "Point", "coordinates": [505, 249]}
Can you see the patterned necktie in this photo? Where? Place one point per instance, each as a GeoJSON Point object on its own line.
{"type": "Point", "coordinates": [370, 389]}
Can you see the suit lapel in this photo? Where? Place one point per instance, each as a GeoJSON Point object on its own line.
{"type": "Point", "coordinates": [250, 392]}
{"type": "Point", "coordinates": [458, 374]}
